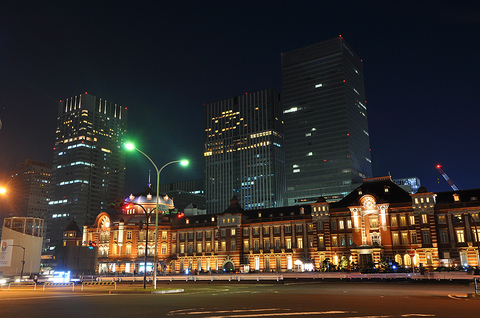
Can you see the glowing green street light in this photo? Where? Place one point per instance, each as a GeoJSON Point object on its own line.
{"type": "Point", "coordinates": [131, 146]}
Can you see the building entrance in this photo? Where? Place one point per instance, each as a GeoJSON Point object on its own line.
{"type": "Point", "coordinates": [365, 259]}
{"type": "Point", "coordinates": [228, 267]}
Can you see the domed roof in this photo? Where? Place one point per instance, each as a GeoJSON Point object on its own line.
{"type": "Point", "coordinates": [321, 199]}
{"type": "Point", "coordinates": [148, 197]}
{"type": "Point", "coordinates": [422, 190]}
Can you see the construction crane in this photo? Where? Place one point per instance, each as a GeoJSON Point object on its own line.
{"type": "Point", "coordinates": [450, 182]}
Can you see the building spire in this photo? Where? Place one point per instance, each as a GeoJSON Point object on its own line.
{"type": "Point", "coordinates": [149, 183]}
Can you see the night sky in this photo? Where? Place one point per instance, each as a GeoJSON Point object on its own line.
{"type": "Point", "coordinates": [165, 59]}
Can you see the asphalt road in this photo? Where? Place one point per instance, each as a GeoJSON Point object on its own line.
{"type": "Point", "coordinates": [235, 300]}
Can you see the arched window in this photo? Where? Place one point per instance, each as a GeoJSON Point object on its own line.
{"type": "Point", "coordinates": [398, 259]}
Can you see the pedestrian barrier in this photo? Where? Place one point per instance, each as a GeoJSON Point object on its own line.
{"type": "Point", "coordinates": [20, 284]}
{"type": "Point", "coordinates": [98, 283]}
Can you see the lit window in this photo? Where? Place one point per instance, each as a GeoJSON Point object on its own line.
{"type": "Point", "coordinates": [404, 238]}
{"type": "Point", "coordinates": [291, 110]}
{"type": "Point", "coordinates": [460, 236]}
{"type": "Point", "coordinates": [395, 239]}
{"type": "Point", "coordinates": [334, 241]}
{"type": "Point", "coordinates": [394, 221]}
{"type": "Point", "coordinates": [321, 242]}
{"type": "Point", "coordinates": [424, 218]}
{"type": "Point", "coordinates": [442, 219]}
{"type": "Point", "coordinates": [299, 242]}
{"type": "Point", "coordinates": [245, 246]}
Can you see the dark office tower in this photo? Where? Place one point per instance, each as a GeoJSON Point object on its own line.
{"type": "Point", "coordinates": [31, 184]}
{"type": "Point", "coordinates": [326, 130]}
{"type": "Point", "coordinates": [88, 162]}
{"type": "Point", "coordinates": [244, 154]}
{"type": "Point", "coordinates": [28, 191]}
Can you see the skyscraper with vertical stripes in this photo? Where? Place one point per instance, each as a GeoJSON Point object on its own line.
{"type": "Point", "coordinates": [88, 170]}
{"type": "Point", "coordinates": [244, 153]}
{"type": "Point", "coordinates": [326, 129]}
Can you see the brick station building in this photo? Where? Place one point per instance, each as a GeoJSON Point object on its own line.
{"type": "Point", "coordinates": [379, 220]}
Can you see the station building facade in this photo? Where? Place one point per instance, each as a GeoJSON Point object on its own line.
{"type": "Point", "coordinates": [379, 220]}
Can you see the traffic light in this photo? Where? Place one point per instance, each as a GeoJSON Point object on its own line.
{"type": "Point", "coordinates": [92, 245]}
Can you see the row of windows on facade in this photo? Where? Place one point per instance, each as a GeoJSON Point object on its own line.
{"type": "Point", "coordinates": [104, 237]}
{"type": "Point", "coordinates": [407, 238]}
{"type": "Point", "coordinates": [334, 225]}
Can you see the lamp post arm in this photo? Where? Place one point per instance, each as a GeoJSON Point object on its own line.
{"type": "Point", "coordinates": [153, 163]}
{"type": "Point", "coordinates": [168, 164]}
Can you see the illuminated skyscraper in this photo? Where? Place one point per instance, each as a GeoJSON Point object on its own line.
{"type": "Point", "coordinates": [327, 143]}
{"type": "Point", "coordinates": [88, 162]}
{"type": "Point", "coordinates": [244, 154]}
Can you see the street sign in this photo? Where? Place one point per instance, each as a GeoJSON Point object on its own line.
{"type": "Point", "coordinates": [411, 253]}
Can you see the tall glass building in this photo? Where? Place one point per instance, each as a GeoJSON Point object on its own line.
{"type": "Point", "coordinates": [88, 170]}
{"type": "Point", "coordinates": [244, 153]}
{"type": "Point", "coordinates": [326, 129]}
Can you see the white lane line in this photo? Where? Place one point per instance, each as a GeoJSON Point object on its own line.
{"type": "Point", "coordinates": [186, 312]}
{"type": "Point", "coordinates": [256, 313]}
{"type": "Point", "coordinates": [285, 314]}
{"type": "Point", "coordinates": [457, 297]}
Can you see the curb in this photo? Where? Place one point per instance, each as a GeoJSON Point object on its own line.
{"type": "Point", "coordinates": [168, 291]}
{"type": "Point", "coordinates": [126, 291]}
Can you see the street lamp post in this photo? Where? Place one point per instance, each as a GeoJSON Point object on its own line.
{"type": "Point", "coordinates": [130, 146]}
{"type": "Point", "coordinates": [23, 260]}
